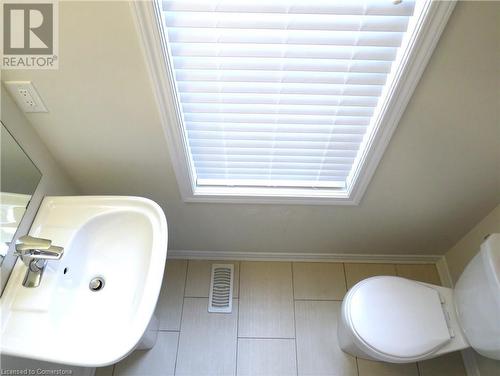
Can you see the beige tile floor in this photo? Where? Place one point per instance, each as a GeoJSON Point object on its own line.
{"type": "Point", "coordinates": [284, 322]}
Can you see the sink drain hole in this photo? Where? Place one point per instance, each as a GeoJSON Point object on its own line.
{"type": "Point", "coordinates": [96, 284]}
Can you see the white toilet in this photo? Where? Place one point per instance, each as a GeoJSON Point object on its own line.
{"type": "Point", "coordinates": [398, 320]}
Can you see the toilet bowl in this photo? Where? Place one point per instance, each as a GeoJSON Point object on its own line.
{"type": "Point", "coordinates": [398, 320]}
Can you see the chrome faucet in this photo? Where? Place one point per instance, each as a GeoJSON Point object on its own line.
{"type": "Point", "coordinates": [35, 252]}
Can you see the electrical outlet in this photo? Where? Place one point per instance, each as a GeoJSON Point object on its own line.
{"type": "Point", "coordinates": [26, 96]}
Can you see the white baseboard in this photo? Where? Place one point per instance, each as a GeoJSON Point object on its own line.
{"type": "Point", "coordinates": [310, 257]}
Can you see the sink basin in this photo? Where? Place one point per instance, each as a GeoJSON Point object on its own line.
{"type": "Point", "coordinates": [120, 242]}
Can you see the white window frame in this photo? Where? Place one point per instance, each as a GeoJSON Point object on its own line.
{"type": "Point", "coordinates": [428, 30]}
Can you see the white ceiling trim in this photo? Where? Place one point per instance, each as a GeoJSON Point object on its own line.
{"type": "Point", "coordinates": [409, 74]}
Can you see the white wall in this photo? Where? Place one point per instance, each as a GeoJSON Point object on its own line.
{"type": "Point", "coordinates": [458, 257]}
{"type": "Point", "coordinates": [435, 181]}
{"type": "Point", "coordinates": [54, 182]}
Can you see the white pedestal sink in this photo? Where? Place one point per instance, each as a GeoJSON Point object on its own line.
{"type": "Point", "coordinates": [122, 240]}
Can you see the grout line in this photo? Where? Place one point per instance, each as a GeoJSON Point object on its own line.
{"type": "Point", "coordinates": [196, 297]}
{"type": "Point", "coordinates": [294, 323]}
{"type": "Point", "coordinates": [346, 289]}
{"type": "Point", "coordinates": [169, 330]}
{"type": "Point", "coordinates": [418, 369]}
{"type": "Point", "coordinates": [238, 319]}
{"type": "Point", "coordinates": [266, 337]}
{"type": "Point", "coordinates": [318, 300]}
{"type": "Point", "coordinates": [345, 277]}
{"type": "Point", "coordinates": [237, 350]}
{"type": "Point", "coordinates": [397, 271]}
{"type": "Point", "coordinates": [113, 370]}
{"type": "Point", "coordinates": [182, 314]}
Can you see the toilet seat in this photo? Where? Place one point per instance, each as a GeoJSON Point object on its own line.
{"type": "Point", "coordinates": [396, 319]}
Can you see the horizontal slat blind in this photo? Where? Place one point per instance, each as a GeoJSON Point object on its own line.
{"type": "Point", "coordinates": [282, 92]}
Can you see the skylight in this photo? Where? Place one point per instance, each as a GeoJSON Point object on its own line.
{"type": "Point", "coordinates": [287, 98]}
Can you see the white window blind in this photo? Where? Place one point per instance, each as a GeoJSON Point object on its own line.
{"type": "Point", "coordinates": [280, 93]}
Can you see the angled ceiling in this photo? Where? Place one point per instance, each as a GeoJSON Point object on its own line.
{"type": "Point", "coordinates": [439, 175]}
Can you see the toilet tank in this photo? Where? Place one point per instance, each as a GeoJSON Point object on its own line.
{"type": "Point", "coordinates": [477, 299]}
